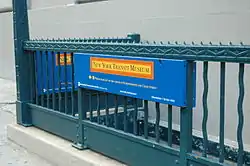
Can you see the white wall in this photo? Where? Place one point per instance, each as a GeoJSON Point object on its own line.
{"type": "Point", "coordinates": [160, 20]}
{"type": "Point", "coordinates": [36, 4]}
{"type": "Point", "coordinates": [5, 3]}
{"type": "Point", "coordinates": [7, 67]}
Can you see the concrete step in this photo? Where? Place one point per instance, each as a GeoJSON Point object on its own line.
{"type": "Point", "coordinates": [54, 149]}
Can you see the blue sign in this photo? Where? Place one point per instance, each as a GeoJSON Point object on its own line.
{"type": "Point", "coordinates": [47, 70]}
{"type": "Point", "coordinates": [159, 80]}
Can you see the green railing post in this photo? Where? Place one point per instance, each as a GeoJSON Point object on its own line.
{"type": "Point", "coordinates": [80, 137]}
{"type": "Point", "coordinates": [134, 37]}
{"type": "Point", "coordinates": [186, 118]}
{"type": "Point", "coordinates": [23, 76]}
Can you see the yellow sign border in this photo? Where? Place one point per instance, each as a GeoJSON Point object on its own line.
{"type": "Point", "coordinates": [149, 64]}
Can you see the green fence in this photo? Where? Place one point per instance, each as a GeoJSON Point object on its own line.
{"type": "Point", "coordinates": [118, 126]}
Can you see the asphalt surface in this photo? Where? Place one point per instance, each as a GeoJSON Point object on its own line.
{"type": "Point", "coordinates": [10, 153]}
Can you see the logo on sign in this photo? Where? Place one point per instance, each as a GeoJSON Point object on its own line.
{"type": "Point", "coordinates": [62, 59]}
{"type": "Point", "coordinates": [130, 68]}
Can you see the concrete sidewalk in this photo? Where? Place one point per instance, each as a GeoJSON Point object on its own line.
{"type": "Point", "coordinates": [47, 146]}
{"type": "Point", "coordinates": [10, 153]}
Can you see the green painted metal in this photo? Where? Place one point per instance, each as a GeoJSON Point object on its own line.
{"type": "Point", "coordinates": [106, 110]}
{"type": "Point", "coordinates": [170, 132]}
{"type": "Point", "coordinates": [80, 136]}
{"type": "Point", "coordinates": [240, 114]}
{"type": "Point", "coordinates": [125, 116]}
{"type": "Point", "coordinates": [98, 108]}
{"type": "Point", "coordinates": [230, 153]}
{"type": "Point", "coordinates": [157, 123]}
{"type": "Point", "coordinates": [23, 86]}
{"type": "Point", "coordinates": [72, 86]}
{"type": "Point", "coordinates": [135, 118]}
{"type": "Point", "coordinates": [53, 83]}
{"type": "Point", "coordinates": [131, 38]}
{"type": "Point", "coordinates": [66, 84]}
{"type": "Point", "coordinates": [42, 75]}
{"type": "Point", "coordinates": [195, 160]}
{"type": "Point", "coordinates": [186, 118]}
{"type": "Point", "coordinates": [90, 106]}
{"type": "Point", "coordinates": [32, 77]}
{"type": "Point", "coordinates": [205, 108]}
{"type": "Point", "coordinates": [134, 37]}
{"type": "Point", "coordinates": [59, 83]}
{"type": "Point", "coordinates": [47, 79]}
{"type": "Point", "coordinates": [146, 119]}
{"type": "Point", "coordinates": [116, 112]}
{"type": "Point", "coordinates": [23, 114]}
{"type": "Point", "coordinates": [226, 53]}
{"type": "Point", "coordinates": [53, 121]}
{"type": "Point", "coordinates": [135, 151]}
{"type": "Point", "coordinates": [35, 76]}
{"type": "Point", "coordinates": [222, 110]}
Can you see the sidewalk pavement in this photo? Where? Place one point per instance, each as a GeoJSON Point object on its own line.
{"type": "Point", "coordinates": [10, 153]}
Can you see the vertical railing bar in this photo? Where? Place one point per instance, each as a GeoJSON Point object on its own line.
{"type": "Point", "coordinates": [157, 122]}
{"type": "Point", "coordinates": [53, 80]}
{"type": "Point", "coordinates": [222, 110]}
{"type": "Point", "coordinates": [146, 119]}
{"type": "Point", "coordinates": [205, 109]}
{"type": "Point", "coordinates": [125, 116]}
{"type": "Point", "coordinates": [106, 110]}
{"type": "Point", "coordinates": [240, 114]}
{"type": "Point", "coordinates": [187, 116]}
{"type": "Point", "coordinates": [80, 137]}
{"type": "Point", "coordinates": [90, 106]}
{"type": "Point", "coordinates": [72, 84]}
{"type": "Point", "coordinates": [170, 131]}
{"type": "Point", "coordinates": [135, 117]}
{"type": "Point", "coordinates": [47, 77]}
{"type": "Point", "coordinates": [32, 77]}
{"type": "Point", "coordinates": [116, 112]}
{"type": "Point", "coordinates": [42, 80]}
{"type": "Point", "coordinates": [36, 77]}
{"type": "Point", "coordinates": [65, 83]}
{"type": "Point", "coordinates": [59, 82]}
{"type": "Point", "coordinates": [98, 108]}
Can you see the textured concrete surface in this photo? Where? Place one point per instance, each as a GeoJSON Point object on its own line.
{"type": "Point", "coordinates": [47, 145]}
{"type": "Point", "coordinates": [12, 154]}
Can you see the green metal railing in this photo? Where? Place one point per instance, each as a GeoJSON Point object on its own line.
{"type": "Point", "coordinates": [119, 126]}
